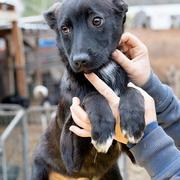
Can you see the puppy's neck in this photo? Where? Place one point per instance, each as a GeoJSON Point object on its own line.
{"type": "Point", "coordinates": [112, 74]}
{"type": "Point", "coordinates": [107, 72]}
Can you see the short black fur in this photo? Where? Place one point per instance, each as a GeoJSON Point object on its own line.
{"type": "Point", "coordinates": [88, 31]}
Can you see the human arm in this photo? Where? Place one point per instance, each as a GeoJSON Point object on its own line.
{"type": "Point", "coordinates": [156, 151]}
{"type": "Point", "coordinates": [167, 107]}
{"type": "Point", "coordinates": [136, 63]}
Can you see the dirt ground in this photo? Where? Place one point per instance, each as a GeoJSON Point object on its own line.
{"type": "Point", "coordinates": [136, 173]}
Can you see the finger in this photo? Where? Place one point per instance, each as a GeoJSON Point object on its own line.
{"type": "Point", "coordinates": [122, 60]}
{"type": "Point", "coordinates": [80, 132]}
{"type": "Point", "coordinates": [102, 88]}
{"type": "Point", "coordinates": [124, 47]}
{"type": "Point", "coordinates": [76, 101]}
{"type": "Point", "coordinates": [144, 93]}
{"type": "Point", "coordinates": [131, 40]}
{"type": "Point", "coordinates": [80, 122]}
{"type": "Point", "coordinates": [80, 113]}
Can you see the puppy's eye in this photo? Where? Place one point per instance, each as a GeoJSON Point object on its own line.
{"type": "Point", "coordinates": [97, 21]}
{"type": "Point", "coordinates": [65, 29]}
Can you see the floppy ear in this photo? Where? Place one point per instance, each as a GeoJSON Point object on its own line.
{"type": "Point", "coordinates": [121, 8]}
{"type": "Point", "coordinates": [50, 15]}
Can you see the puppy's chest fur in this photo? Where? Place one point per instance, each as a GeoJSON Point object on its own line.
{"type": "Point", "coordinates": [115, 77]}
{"type": "Point", "coordinates": [78, 86]}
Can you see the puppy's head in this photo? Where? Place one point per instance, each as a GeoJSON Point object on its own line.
{"type": "Point", "coordinates": [87, 31]}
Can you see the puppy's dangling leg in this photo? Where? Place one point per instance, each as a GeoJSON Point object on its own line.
{"type": "Point", "coordinates": [102, 120]}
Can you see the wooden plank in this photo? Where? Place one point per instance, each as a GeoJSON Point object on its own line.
{"type": "Point", "coordinates": [19, 59]}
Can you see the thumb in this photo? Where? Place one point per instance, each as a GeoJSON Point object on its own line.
{"type": "Point", "coordinates": [76, 101]}
{"type": "Point", "coordinates": [122, 60]}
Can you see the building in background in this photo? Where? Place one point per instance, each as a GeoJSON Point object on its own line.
{"type": "Point", "coordinates": [151, 2]}
{"type": "Point", "coordinates": [17, 4]}
{"type": "Point", "coordinates": [157, 17]}
{"type": "Point", "coordinates": [41, 62]}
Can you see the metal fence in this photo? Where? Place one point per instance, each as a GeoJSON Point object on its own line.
{"type": "Point", "coordinates": [21, 129]}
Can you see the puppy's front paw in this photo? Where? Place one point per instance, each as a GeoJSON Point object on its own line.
{"type": "Point", "coordinates": [132, 138]}
{"type": "Point", "coordinates": [132, 115]}
{"type": "Point", "coordinates": [132, 124]}
{"type": "Point", "coordinates": [102, 121]}
{"type": "Point", "coordinates": [103, 131]}
{"type": "Point", "coordinates": [104, 146]}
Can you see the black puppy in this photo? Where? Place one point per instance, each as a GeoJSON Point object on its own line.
{"type": "Point", "coordinates": [88, 32]}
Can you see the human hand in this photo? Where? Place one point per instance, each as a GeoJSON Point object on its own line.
{"type": "Point", "coordinates": [83, 129]}
{"type": "Point", "coordinates": [80, 117]}
{"type": "Point", "coordinates": [135, 59]}
{"type": "Point", "coordinates": [149, 105]}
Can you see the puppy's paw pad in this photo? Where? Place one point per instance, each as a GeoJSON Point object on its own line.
{"type": "Point", "coordinates": [103, 147]}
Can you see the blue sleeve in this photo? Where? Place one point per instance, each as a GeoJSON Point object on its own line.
{"type": "Point", "coordinates": [167, 107]}
{"type": "Point", "coordinates": [157, 153]}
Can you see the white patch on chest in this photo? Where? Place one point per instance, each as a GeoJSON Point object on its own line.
{"type": "Point", "coordinates": [108, 71]}
{"type": "Point", "coordinates": [117, 91]}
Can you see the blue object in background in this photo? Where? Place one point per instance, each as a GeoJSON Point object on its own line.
{"type": "Point", "coordinates": [46, 43]}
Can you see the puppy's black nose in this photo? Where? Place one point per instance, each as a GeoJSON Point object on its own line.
{"type": "Point", "coordinates": [81, 60]}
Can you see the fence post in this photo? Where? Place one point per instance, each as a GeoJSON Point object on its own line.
{"type": "Point", "coordinates": [25, 147]}
{"type": "Point", "coordinates": [4, 162]}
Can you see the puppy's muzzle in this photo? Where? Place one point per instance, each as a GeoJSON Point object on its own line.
{"type": "Point", "coordinates": [80, 61]}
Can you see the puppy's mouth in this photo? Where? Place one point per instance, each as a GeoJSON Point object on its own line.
{"type": "Point", "coordinates": [83, 70]}
{"type": "Point", "coordinates": [90, 69]}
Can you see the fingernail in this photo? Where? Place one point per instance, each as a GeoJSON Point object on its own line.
{"type": "Point", "coordinates": [73, 100]}
{"type": "Point", "coordinates": [115, 53]}
{"type": "Point", "coordinates": [71, 128]}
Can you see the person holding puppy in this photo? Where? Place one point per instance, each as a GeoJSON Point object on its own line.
{"type": "Point", "coordinates": [158, 151]}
